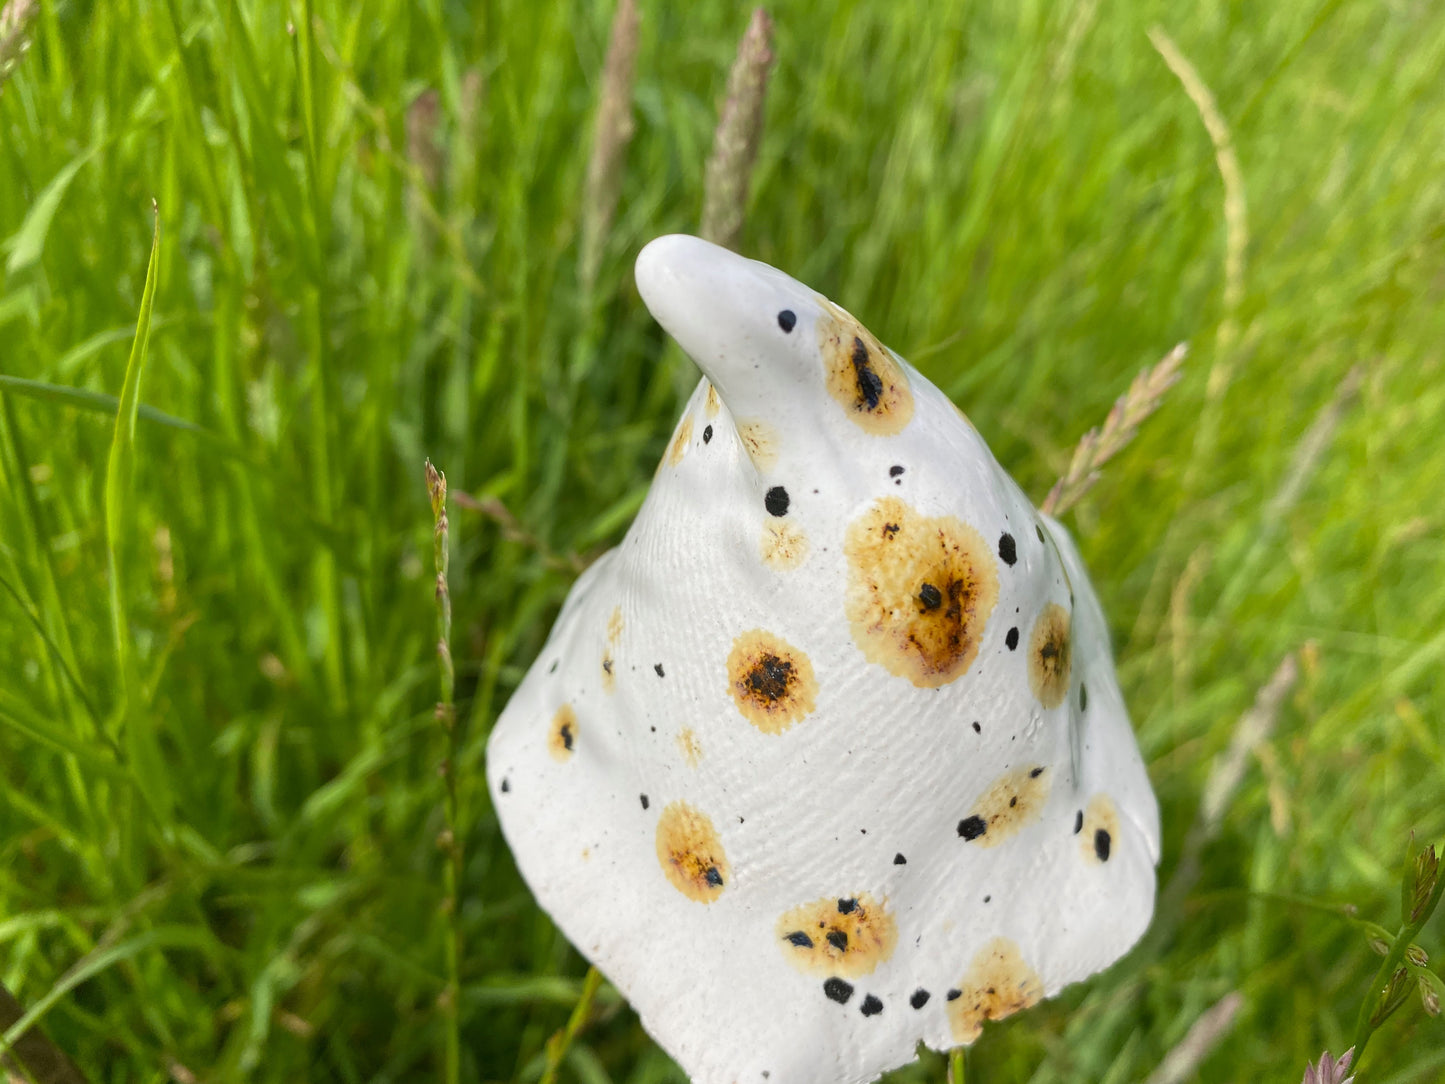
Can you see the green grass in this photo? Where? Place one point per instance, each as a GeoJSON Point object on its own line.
{"type": "Point", "coordinates": [219, 804]}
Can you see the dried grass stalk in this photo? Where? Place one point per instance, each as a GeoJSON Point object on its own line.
{"type": "Point", "coordinates": [609, 139]}
{"type": "Point", "coordinates": [1099, 445]}
{"type": "Point", "coordinates": [1204, 1035]}
{"type": "Point", "coordinates": [739, 131]}
{"type": "Point", "coordinates": [14, 34]}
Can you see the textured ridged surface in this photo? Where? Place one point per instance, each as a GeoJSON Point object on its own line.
{"type": "Point", "coordinates": [838, 657]}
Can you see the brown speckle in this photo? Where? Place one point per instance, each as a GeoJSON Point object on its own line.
{"type": "Point", "coordinates": [782, 546]}
{"type": "Point", "coordinates": [562, 736]}
{"type": "Point", "coordinates": [1050, 652]}
{"type": "Point", "coordinates": [710, 404]}
{"type": "Point", "coordinates": [1012, 803]}
{"type": "Point", "coordinates": [998, 983]}
{"type": "Point", "coordinates": [691, 853]}
{"type": "Point", "coordinates": [1098, 830]}
{"type": "Point", "coordinates": [687, 745]}
{"type": "Point", "coordinates": [862, 376]}
{"type": "Point", "coordinates": [771, 681]}
{"type": "Point", "coordinates": [920, 591]}
{"type": "Point", "coordinates": [760, 441]}
{"type": "Point", "coordinates": [835, 942]}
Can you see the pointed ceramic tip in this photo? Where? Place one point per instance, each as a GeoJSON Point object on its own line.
{"type": "Point", "coordinates": [748, 326]}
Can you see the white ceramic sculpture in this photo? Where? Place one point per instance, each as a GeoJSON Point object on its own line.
{"type": "Point", "coordinates": [828, 757]}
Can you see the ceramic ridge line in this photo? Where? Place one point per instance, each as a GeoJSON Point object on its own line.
{"type": "Point", "coordinates": [828, 756]}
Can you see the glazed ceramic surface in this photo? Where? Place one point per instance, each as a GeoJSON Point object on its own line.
{"type": "Point", "coordinates": [828, 757]}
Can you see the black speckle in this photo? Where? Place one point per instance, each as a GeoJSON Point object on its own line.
{"type": "Point", "coordinates": [871, 1006]}
{"type": "Point", "coordinates": [607, 665]}
{"type": "Point", "coordinates": [1083, 697]}
{"type": "Point", "coordinates": [1036, 773]}
{"type": "Point", "coordinates": [799, 939]}
{"type": "Point", "coordinates": [1008, 553]}
{"type": "Point", "coordinates": [978, 728]}
{"type": "Point", "coordinates": [776, 502]}
{"type": "Point", "coordinates": [920, 998]}
{"type": "Point", "coordinates": [566, 732]}
{"type": "Point", "coordinates": [506, 785]}
{"type": "Point", "coordinates": [870, 384]}
{"type": "Point", "coordinates": [899, 860]}
{"type": "Point", "coordinates": [971, 828]}
{"type": "Point", "coordinates": [1102, 844]}
{"type": "Point", "coordinates": [1078, 822]}
{"type": "Point", "coordinates": [643, 797]}
{"type": "Point", "coordinates": [1012, 639]}
{"type": "Point", "coordinates": [1039, 531]}
{"type": "Point", "coordinates": [838, 990]}
{"type": "Point", "coordinates": [787, 320]}
{"type": "Point", "coordinates": [930, 597]}
{"type": "Point", "coordinates": [838, 939]}
{"type": "Point", "coordinates": [954, 995]}
{"type": "Point", "coordinates": [553, 668]}
{"type": "Point", "coordinates": [1013, 801]}
{"type": "Point", "coordinates": [987, 898]}
{"type": "Point", "coordinates": [707, 434]}
{"type": "Point", "coordinates": [847, 907]}
{"type": "Point", "coordinates": [657, 666]}
{"type": "Point", "coordinates": [714, 878]}
{"type": "Point", "coordinates": [894, 471]}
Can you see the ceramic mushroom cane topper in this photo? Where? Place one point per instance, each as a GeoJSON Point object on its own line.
{"type": "Point", "coordinates": [828, 757]}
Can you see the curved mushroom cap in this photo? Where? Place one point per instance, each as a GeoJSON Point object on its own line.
{"type": "Point", "coordinates": [828, 757]}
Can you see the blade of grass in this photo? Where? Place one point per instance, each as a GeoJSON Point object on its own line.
{"type": "Point", "coordinates": [138, 740]}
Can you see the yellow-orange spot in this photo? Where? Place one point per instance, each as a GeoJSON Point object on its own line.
{"type": "Point", "coordinates": [687, 745]}
{"type": "Point", "coordinates": [609, 653]}
{"type": "Point", "coordinates": [962, 416]}
{"type": "Point", "coordinates": [862, 375]}
{"type": "Point", "coordinates": [562, 737]}
{"type": "Point", "coordinates": [1050, 651]}
{"type": "Point", "coordinates": [920, 591]}
{"type": "Point", "coordinates": [680, 440]}
{"type": "Point", "coordinates": [848, 936]}
{"type": "Point", "coordinates": [998, 983]}
{"type": "Point", "coordinates": [771, 681]}
{"type": "Point", "coordinates": [711, 405]}
{"type": "Point", "coordinates": [691, 854]}
{"type": "Point", "coordinates": [783, 545]}
{"type": "Point", "coordinates": [1099, 834]}
{"type": "Point", "coordinates": [1013, 802]}
{"type": "Point", "coordinates": [760, 441]}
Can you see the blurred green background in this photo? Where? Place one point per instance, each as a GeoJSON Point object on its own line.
{"type": "Point", "coordinates": [218, 827]}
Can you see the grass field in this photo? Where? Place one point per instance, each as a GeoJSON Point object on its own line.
{"type": "Point", "coordinates": [219, 797]}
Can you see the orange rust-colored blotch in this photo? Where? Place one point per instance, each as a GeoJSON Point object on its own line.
{"type": "Point", "coordinates": [680, 440]}
{"type": "Point", "coordinates": [562, 736]}
{"type": "Point", "coordinates": [609, 653]}
{"type": "Point", "coordinates": [771, 681]}
{"type": "Point", "coordinates": [1013, 802]}
{"type": "Point", "coordinates": [783, 545]}
{"type": "Point", "coordinates": [760, 441]}
{"type": "Point", "coordinates": [691, 854]}
{"type": "Point", "coordinates": [862, 375]}
{"type": "Point", "coordinates": [847, 936]}
{"type": "Point", "coordinates": [920, 591]}
{"type": "Point", "coordinates": [1050, 654]}
{"type": "Point", "coordinates": [998, 983]}
{"type": "Point", "coordinates": [710, 407]}
{"type": "Point", "coordinates": [689, 746]}
{"type": "Point", "coordinates": [1099, 830]}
